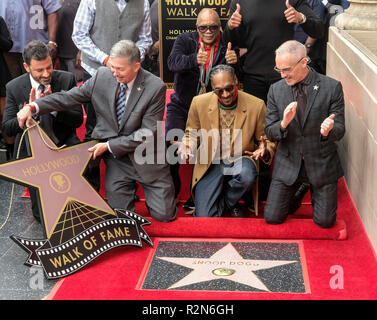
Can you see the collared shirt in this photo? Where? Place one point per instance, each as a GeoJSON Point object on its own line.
{"type": "Point", "coordinates": [303, 83]}
{"type": "Point", "coordinates": [83, 22]}
{"type": "Point", "coordinates": [35, 84]}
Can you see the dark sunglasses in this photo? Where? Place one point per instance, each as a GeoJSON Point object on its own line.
{"type": "Point", "coordinates": [212, 29]}
{"type": "Point", "coordinates": [220, 91]}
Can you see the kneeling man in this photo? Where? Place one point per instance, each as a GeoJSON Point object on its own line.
{"type": "Point", "coordinates": [129, 102]}
{"type": "Point", "coordinates": [229, 126]}
{"type": "Point", "coordinates": [305, 114]}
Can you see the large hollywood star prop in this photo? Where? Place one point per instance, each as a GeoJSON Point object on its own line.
{"type": "Point", "coordinates": [78, 222]}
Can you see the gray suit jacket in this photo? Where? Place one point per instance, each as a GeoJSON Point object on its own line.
{"type": "Point", "coordinates": [145, 106]}
{"type": "Point", "coordinates": [322, 164]}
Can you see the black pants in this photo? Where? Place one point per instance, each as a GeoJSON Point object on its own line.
{"type": "Point", "coordinates": [280, 197]}
{"type": "Point", "coordinates": [258, 86]}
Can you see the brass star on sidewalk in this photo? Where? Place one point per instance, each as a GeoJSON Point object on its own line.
{"type": "Point", "coordinates": [226, 263]}
{"type": "Point", "coordinates": [58, 175]}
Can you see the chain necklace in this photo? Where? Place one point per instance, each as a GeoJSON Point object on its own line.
{"type": "Point", "coordinates": [230, 122]}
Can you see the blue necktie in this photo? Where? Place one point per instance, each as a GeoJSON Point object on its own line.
{"type": "Point", "coordinates": [121, 102]}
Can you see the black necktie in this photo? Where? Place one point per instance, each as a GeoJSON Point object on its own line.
{"type": "Point", "coordinates": [301, 102]}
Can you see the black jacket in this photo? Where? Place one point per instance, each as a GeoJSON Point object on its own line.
{"type": "Point", "coordinates": [322, 163]}
{"type": "Point", "coordinates": [65, 122]}
{"type": "Point", "coordinates": [182, 61]}
{"type": "Point", "coordinates": [6, 44]}
{"type": "Point", "coordinates": [264, 28]}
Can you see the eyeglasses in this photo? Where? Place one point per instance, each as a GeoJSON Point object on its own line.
{"type": "Point", "coordinates": [289, 70]}
{"type": "Point", "coordinates": [212, 29]}
{"type": "Point", "coordinates": [220, 91]}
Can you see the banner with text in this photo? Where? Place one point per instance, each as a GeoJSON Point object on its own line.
{"type": "Point", "coordinates": [179, 16]}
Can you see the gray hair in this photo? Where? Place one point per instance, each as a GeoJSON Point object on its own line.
{"type": "Point", "coordinates": [126, 49]}
{"type": "Point", "coordinates": [222, 68]}
{"type": "Point", "coordinates": [291, 47]}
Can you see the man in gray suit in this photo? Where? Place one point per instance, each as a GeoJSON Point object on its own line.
{"type": "Point", "coordinates": [128, 102]}
{"type": "Point", "coordinates": [305, 114]}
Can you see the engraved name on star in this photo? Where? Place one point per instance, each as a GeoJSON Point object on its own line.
{"type": "Point", "coordinates": [226, 263]}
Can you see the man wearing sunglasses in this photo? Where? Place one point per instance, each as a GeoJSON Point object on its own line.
{"type": "Point", "coordinates": [193, 56]}
{"type": "Point", "coordinates": [230, 125]}
{"type": "Point", "coordinates": [305, 114]}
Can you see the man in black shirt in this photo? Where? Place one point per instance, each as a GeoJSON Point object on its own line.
{"type": "Point", "coordinates": [261, 26]}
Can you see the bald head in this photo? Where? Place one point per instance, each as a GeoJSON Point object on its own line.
{"type": "Point", "coordinates": [208, 14]}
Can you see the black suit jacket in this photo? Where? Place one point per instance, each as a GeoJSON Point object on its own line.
{"type": "Point", "coordinates": [322, 164]}
{"type": "Point", "coordinates": [6, 44]}
{"type": "Point", "coordinates": [65, 122]}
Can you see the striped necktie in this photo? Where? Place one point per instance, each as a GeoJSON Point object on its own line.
{"type": "Point", "coordinates": [121, 102]}
{"type": "Point", "coordinates": [42, 88]}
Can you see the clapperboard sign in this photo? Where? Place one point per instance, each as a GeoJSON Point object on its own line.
{"type": "Point", "coordinates": [78, 223]}
{"type": "Point", "coordinates": [179, 16]}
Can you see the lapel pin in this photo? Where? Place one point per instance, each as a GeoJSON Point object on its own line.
{"type": "Point", "coordinates": [316, 87]}
{"type": "Point", "coordinates": [138, 89]}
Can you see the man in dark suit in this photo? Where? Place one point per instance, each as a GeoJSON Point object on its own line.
{"type": "Point", "coordinates": [129, 102]}
{"type": "Point", "coordinates": [40, 80]}
{"type": "Point", "coordinates": [305, 114]}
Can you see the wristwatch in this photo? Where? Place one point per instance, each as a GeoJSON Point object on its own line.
{"type": "Point", "coordinates": [53, 43]}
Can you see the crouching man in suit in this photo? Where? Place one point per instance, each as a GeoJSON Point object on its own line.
{"type": "Point", "coordinates": [128, 102]}
{"type": "Point", "coordinates": [41, 80]}
{"type": "Point", "coordinates": [305, 114]}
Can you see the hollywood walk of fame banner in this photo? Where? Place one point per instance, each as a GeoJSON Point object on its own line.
{"type": "Point", "coordinates": [79, 224]}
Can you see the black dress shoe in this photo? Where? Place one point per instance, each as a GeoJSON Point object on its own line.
{"type": "Point", "coordinates": [189, 205]}
{"type": "Point", "coordinates": [236, 212]}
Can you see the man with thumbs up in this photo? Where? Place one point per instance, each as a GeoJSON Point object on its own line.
{"type": "Point", "coordinates": [261, 26]}
{"type": "Point", "coordinates": [305, 114]}
{"type": "Point", "coordinates": [193, 56]}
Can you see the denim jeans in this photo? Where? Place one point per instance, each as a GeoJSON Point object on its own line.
{"type": "Point", "coordinates": [222, 186]}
